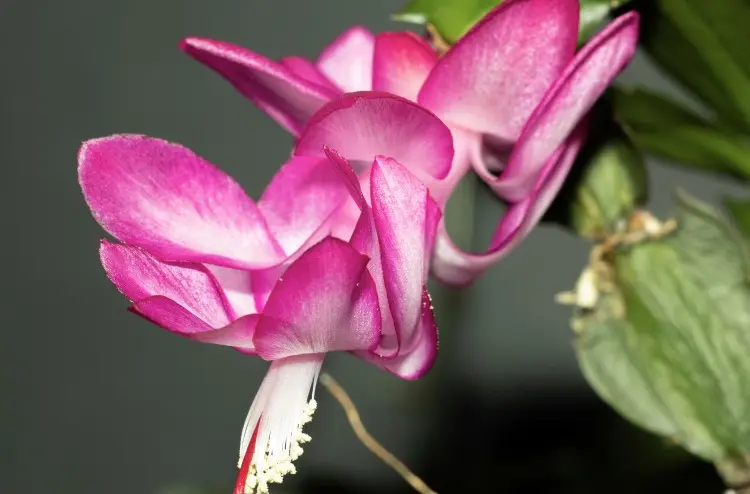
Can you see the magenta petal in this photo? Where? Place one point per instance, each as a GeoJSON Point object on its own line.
{"type": "Point", "coordinates": [401, 63]}
{"type": "Point", "coordinates": [325, 301]}
{"type": "Point", "coordinates": [307, 200]}
{"type": "Point", "coordinates": [277, 90]}
{"type": "Point", "coordinates": [302, 196]}
{"type": "Point", "coordinates": [237, 288]}
{"type": "Point", "coordinates": [139, 276]}
{"type": "Point", "coordinates": [414, 363]}
{"type": "Point", "coordinates": [348, 177]}
{"type": "Point", "coordinates": [405, 219]}
{"type": "Point", "coordinates": [347, 61]}
{"type": "Point", "coordinates": [365, 240]}
{"type": "Point", "coordinates": [170, 315]}
{"type": "Point", "coordinates": [163, 198]}
{"type": "Point", "coordinates": [571, 97]}
{"type": "Point", "coordinates": [496, 74]}
{"type": "Point", "coordinates": [463, 142]}
{"type": "Point", "coordinates": [307, 70]}
{"type": "Point", "coordinates": [363, 125]}
{"type": "Point", "coordinates": [238, 334]}
{"type": "Point", "coordinates": [454, 267]}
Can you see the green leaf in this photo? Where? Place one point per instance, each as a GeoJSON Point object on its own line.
{"type": "Point", "coordinates": [453, 18]}
{"type": "Point", "coordinates": [666, 129]}
{"type": "Point", "coordinates": [740, 211]}
{"type": "Point", "coordinates": [614, 368]}
{"type": "Point", "coordinates": [703, 45]}
{"type": "Point", "coordinates": [668, 345]}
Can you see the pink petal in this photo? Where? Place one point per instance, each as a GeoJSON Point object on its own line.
{"type": "Point", "coordinates": [397, 234]}
{"type": "Point", "coordinates": [302, 196]}
{"type": "Point", "coordinates": [138, 276]}
{"type": "Point", "coordinates": [170, 315]}
{"type": "Point", "coordinates": [416, 362]}
{"type": "Point", "coordinates": [238, 334]}
{"type": "Point", "coordinates": [406, 219]}
{"type": "Point", "coordinates": [326, 301]}
{"type": "Point", "coordinates": [363, 125]}
{"type": "Point", "coordinates": [263, 280]}
{"type": "Point", "coordinates": [307, 200]}
{"type": "Point", "coordinates": [307, 70]}
{"type": "Point", "coordinates": [463, 141]}
{"type": "Point", "coordinates": [571, 97]}
{"type": "Point", "coordinates": [348, 177]}
{"type": "Point", "coordinates": [401, 63]}
{"type": "Point", "coordinates": [365, 240]}
{"type": "Point", "coordinates": [163, 198]}
{"type": "Point", "coordinates": [454, 267]}
{"type": "Point", "coordinates": [277, 90]}
{"type": "Point", "coordinates": [237, 287]}
{"type": "Point", "coordinates": [347, 61]}
{"type": "Point", "coordinates": [496, 74]}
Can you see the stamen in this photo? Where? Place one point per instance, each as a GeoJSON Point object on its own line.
{"type": "Point", "coordinates": [272, 438]}
{"type": "Point", "coordinates": [273, 469]}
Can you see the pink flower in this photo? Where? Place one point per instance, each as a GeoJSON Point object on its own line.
{"type": "Point", "coordinates": [513, 87]}
{"type": "Point", "coordinates": [313, 267]}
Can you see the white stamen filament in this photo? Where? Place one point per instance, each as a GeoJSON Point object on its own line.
{"type": "Point", "coordinates": [279, 411]}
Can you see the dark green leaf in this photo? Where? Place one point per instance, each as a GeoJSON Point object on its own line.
{"type": "Point", "coordinates": [665, 128]}
{"type": "Point", "coordinates": [703, 45]}
{"type": "Point", "coordinates": [740, 211]}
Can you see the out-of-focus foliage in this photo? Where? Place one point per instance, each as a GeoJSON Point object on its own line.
{"type": "Point", "coordinates": [740, 211]}
{"type": "Point", "coordinates": [703, 45]}
{"type": "Point", "coordinates": [665, 128]}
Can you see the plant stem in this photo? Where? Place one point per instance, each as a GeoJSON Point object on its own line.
{"type": "Point", "coordinates": [736, 474]}
{"type": "Point", "coordinates": [366, 438]}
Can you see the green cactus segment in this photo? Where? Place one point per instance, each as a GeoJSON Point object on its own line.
{"type": "Point", "coordinates": [610, 183]}
{"type": "Point", "coordinates": [451, 18]}
{"type": "Point", "coordinates": [668, 344]}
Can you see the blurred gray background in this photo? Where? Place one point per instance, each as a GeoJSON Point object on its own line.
{"type": "Point", "coordinates": [96, 400]}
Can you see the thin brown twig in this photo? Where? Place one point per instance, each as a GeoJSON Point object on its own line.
{"type": "Point", "coordinates": [438, 42]}
{"type": "Point", "coordinates": [370, 443]}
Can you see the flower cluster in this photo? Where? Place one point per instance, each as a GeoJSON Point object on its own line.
{"type": "Point", "coordinates": [513, 91]}
{"type": "Point", "coordinates": [336, 253]}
